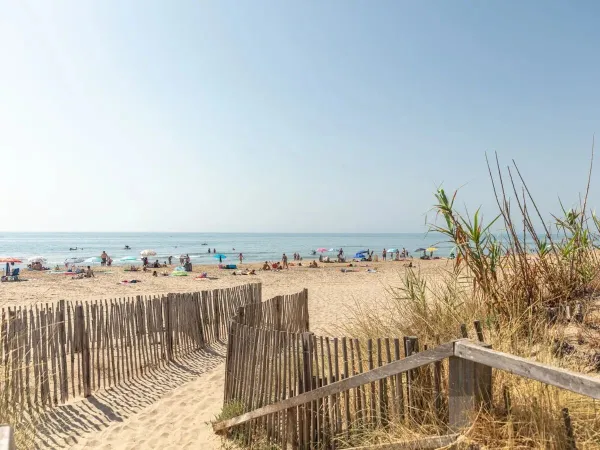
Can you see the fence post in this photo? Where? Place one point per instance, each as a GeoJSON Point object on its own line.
{"type": "Point", "coordinates": [168, 328]}
{"type": "Point", "coordinates": [292, 436]}
{"type": "Point", "coordinates": [483, 384]}
{"type": "Point", "coordinates": [305, 307]}
{"type": "Point", "coordinates": [309, 415]}
{"type": "Point", "coordinates": [461, 385]}
{"type": "Point", "coordinates": [7, 438]}
{"type": "Point", "coordinates": [62, 339]}
{"type": "Point", "coordinates": [84, 343]}
{"type": "Point", "coordinates": [470, 387]}
{"type": "Point", "coordinates": [278, 313]}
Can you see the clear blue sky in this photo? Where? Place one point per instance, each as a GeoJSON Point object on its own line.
{"type": "Point", "coordinates": [307, 116]}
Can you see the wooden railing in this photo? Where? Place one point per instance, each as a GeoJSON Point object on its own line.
{"type": "Point", "coordinates": [55, 352]}
{"type": "Point", "coordinates": [470, 385]}
{"type": "Point", "coordinates": [288, 388]}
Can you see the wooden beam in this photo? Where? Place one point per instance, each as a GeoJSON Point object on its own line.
{"type": "Point", "coordinates": [7, 439]}
{"type": "Point", "coordinates": [393, 368]}
{"type": "Point", "coordinates": [431, 442]}
{"type": "Point", "coordinates": [565, 379]}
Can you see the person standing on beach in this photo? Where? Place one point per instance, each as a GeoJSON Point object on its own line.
{"type": "Point", "coordinates": [284, 261]}
{"type": "Point", "coordinates": [170, 259]}
{"type": "Point", "coordinates": [214, 250]}
{"type": "Point", "coordinates": [384, 254]}
{"type": "Point", "coordinates": [241, 257]}
{"type": "Point", "coordinates": [103, 257]}
{"type": "Point", "coordinates": [220, 259]}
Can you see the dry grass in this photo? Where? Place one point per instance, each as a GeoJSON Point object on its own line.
{"type": "Point", "coordinates": [513, 282]}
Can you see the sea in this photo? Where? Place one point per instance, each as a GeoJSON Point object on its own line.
{"type": "Point", "coordinates": [58, 247]}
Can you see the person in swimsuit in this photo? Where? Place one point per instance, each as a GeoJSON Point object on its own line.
{"type": "Point", "coordinates": [103, 257]}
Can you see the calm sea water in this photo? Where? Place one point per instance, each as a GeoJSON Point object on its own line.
{"type": "Point", "coordinates": [255, 246]}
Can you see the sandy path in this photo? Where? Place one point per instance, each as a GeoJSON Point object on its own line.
{"type": "Point", "coordinates": [169, 408]}
{"type": "Point", "coordinates": [179, 420]}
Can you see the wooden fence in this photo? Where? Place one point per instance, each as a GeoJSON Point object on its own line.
{"type": "Point", "coordinates": [272, 357]}
{"type": "Point", "coordinates": [288, 388]}
{"type": "Point", "coordinates": [68, 349]}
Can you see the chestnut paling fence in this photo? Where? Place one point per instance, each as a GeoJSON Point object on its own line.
{"type": "Point", "coordinates": [58, 351]}
{"type": "Point", "coordinates": [288, 388]}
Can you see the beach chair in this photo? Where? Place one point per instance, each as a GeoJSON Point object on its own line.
{"type": "Point", "coordinates": [14, 275]}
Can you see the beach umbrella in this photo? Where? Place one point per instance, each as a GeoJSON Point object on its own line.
{"type": "Point", "coordinates": [360, 255]}
{"type": "Point", "coordinates": [421, 249]}
{"type": "Point", "coordinates": [392, 250]}
{"type": "Point", "coordinates": [362, 251]}
{"type": "Point", "coordinates": [220, 256]}
{"type": "Point", "coordinates": [128, 258]}
{"type": "Point", "coordinates": [37, 259]}
{"type": "Point", "coordinates": [431, 249]}
{"type": "Point", "coordinates": [148, 253]}
{"type": "Point", "coordinates": [321, 250]}
{"type": "Point", "coordinates": [10, 259]}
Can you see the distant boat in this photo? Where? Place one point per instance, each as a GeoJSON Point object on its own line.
{"type": "Point", "coordinates": [204, 243]}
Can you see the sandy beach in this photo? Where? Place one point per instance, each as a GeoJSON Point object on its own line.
{"type": "Point", "coordinates": [173, 408]}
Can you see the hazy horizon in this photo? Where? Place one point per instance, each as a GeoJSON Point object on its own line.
{"type": "Point", "coordinates": [267, 115]}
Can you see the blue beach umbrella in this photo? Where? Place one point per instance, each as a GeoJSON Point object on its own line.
{"type": "Point", "coordinates": [220, 256]}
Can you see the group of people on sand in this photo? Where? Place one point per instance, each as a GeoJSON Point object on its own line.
{"type": "Point", "coordinates": [81, 273]}
{"type": "Point", "coordinates": [105, 260]}
{"type": "Point", "coordinates": [277, 265]}
{"type": "Point", "coordinates": [37, 265]}
{"type": "Point", "coordinates": [394, 256]}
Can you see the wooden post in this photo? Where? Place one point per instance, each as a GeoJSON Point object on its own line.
{"type": "Point", "coordinates": [470, 387]}
{"type": "Point", "coordinates": [483, 384]}
{"type": "Point", "coordinates": [571, 445]}
{"type": "Point", "coordinates": [7, 438]}
{"type": "Point", "coordinates": [307, 385]}
{"type": "Point", "coordinates": [62, 336]}
{"type": "Point", "coordinates": [461, 392]}
{"type": "Point", "coordinates": [168, 329]}
{"type": "Point", "coordinates": [479, 330]}
{"type": "Point", "coordinates": [292, 436]}
{"type": "Point", "coordinates": [85, 350]}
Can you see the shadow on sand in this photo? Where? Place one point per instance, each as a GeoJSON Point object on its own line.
{"type": "Point", "coordinates": [63, 426]}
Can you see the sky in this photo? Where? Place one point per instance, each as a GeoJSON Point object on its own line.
{"type": "Point", "coordinates": [281, 116]}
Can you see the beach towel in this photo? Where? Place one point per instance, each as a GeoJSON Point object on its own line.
{"type": "Point", "coordinates": [179, 273]}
